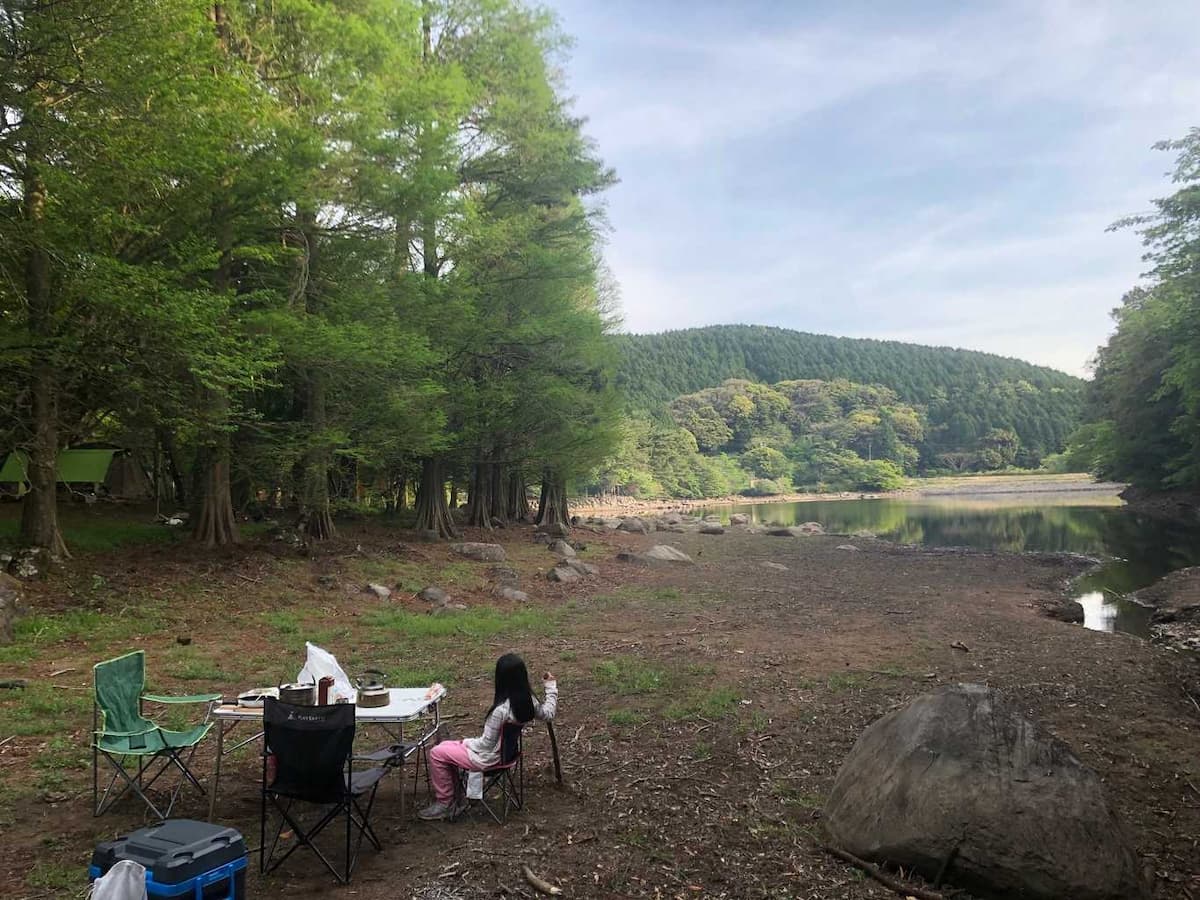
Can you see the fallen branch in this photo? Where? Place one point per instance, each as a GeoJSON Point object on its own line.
{"type": "Point", "coordinates": [13, 684]}
{"type": "Point", "coordinates": [887, 881]}
{"type": "Point", "coordinates": [58, 672]}
{"type": "Point", "coordinates": [538, 884]}
{"type": "Point", "coordinates": [10, 737]}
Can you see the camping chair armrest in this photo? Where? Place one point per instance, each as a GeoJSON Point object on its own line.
{"type": "Point", "coordinates": [192, 698]}
{"type": "Point", "coordinates": [105, 733]}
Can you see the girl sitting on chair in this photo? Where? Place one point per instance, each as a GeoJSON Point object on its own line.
{"type": "Point", "coordinates": [514, 703]}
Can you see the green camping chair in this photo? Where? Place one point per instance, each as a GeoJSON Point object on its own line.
{"type": "Point", "coordinates": [122, 734]}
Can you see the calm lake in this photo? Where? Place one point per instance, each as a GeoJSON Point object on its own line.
{"type": "Point", "coordinates": [1137, 550]}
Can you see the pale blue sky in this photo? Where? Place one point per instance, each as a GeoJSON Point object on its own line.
{"type": "Point", "coordinates": [934, 172]}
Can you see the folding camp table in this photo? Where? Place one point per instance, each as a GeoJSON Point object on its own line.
{"type": "Point", "coordinates": [405, 705]}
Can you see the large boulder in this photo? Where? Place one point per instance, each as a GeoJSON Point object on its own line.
{"type": "Point", "coordinates": [739, 519]}
{"type": "Point", "coordinates": [634, 525]}
{"type": "Point", "coordinates": [563, 549]}
{"type": "Point", "coordinates": [554, 529]}
{"type": "Point", "coordinates": [481, 552]}
{"type": "Point", "coordinates": [959, 774]}
{"type": "Point", "coordinates": [11, 606]}
{"type": "Point", "coordinates": [661, 554]}
{"type": "Point", "coordinates": [712, 528]}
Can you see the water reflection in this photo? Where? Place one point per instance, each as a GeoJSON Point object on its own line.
{"type": "Point", "coordinates": [1138, 549]}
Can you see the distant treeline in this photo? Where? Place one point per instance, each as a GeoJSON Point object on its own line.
{"type": "Point", "coordinates": [825, 404]}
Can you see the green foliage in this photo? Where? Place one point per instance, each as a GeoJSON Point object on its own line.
{"type": "Point", "coordinates": [962, 393]}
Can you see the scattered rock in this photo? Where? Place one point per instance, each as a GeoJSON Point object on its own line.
{"type": "Point", "coordinates": [739, 519]}
{"type": "Point", "coordinates": [433, 594]}
{"type": "Point", "coordinates": [563, 549]}
{"type": "Point", "coordinates": [498, 523]}
{"type": "Point", "coordinates": [12, 606]}
{"type": "Point", "coordinates": [447, 608]}
{"type": "Point", "coordinates": [504, 575]}
{"type": "Point", "coordinates": [959, 774]}
{"type": "Point", "coordinates": [634, 525]}
{"type": "Point", "coordinates": [779, 567]}
{"type": "Point", "coordinates": [563, 574]}
{"type": "Point", "coordinates": [183, 640]}
{"type": "Point", "coordinates": [583, 568]}
{"type": "Point", "coordinates": [807, 528]}
{"type": "Point", "coordinates": [554, 529]}
{"type": "Point", "coordinates": [1065, 610]}
{"type": "Point", "coordinates": [711, 528]}
{"type": "Point", "coordinates": [378, 590]}
{"type": "Point", "coordinates": [30, 563]}
{"type": "Point", "coordinates": [864, 535]}
{"type": "Point", "coordinates": [959, 645]}
{"type": "Point", "coordinates": [847, 547]}
{"type": "Point", "coordinates": [508, 593]}
{"type": "Point", "coordinates": [480, 552]}
{"type": "Point", "coordinates": [329, 582]}
{"type": "Point", "coordinates": [657, 555]}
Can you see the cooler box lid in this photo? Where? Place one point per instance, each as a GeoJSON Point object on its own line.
{"type": "Point", "coordinates": [175, 850]}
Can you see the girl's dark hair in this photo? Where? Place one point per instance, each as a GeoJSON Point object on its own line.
{"type": "Point", "coordinates": [512, 684]}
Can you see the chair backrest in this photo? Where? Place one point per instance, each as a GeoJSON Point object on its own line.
{"type": "Point", "coordinates": [119, 685]}
{"type": "Point", "coordinates": [312, 745]}
{"type": "Point", "coordinates": [510, 743]}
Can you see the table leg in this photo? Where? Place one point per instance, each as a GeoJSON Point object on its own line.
{"type": "Point", "coordinates": [216, 779]}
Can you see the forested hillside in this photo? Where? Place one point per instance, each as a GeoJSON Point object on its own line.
{"type": "Point", "coordinates": [758, 410]}
{"type": "Point", "coordinates": [965, 393]}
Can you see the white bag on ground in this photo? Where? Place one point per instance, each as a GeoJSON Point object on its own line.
{"type": "Point", "coordinates": [321, 663]}
{"type": "Point", "coordinates": [126, 880]}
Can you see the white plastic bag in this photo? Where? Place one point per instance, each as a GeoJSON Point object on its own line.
{"type": "Point", "coordinates": [321, 663]}
{"type": "Point", "coordinates": [474, 785]}
{"type": "Point", "coordinates": [126, 880]}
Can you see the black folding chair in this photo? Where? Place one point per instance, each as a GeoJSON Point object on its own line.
{"type": "Point", "coordinates": [312, 750]}
{"type": "Point", "coordinates": [503, 784]}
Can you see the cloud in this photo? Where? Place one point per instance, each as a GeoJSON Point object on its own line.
{"type": "Point", "coordinates": [941, 174]}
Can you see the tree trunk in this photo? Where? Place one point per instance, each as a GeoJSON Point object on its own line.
{"type": "Point", "coordinates": [479, 496]}
{"type": "Point", "coordinates": [166, 439]}
{"type": "Point", "coordinates": [497, 508]}
{"type": "Point", "coordinates": [216, 526]}
{"type": "Point", "coordinates": [402, 492]}
{"type": "Point", "coordinates": [516, 498]}
{"type": "Point", "coordinates": [432, 512]}
{"type": "Point", "coordinates": [314, 493]}
{"type": "Point", "coordinates": [552, 507]}
{"type": "Point", "coordinates": [39, 509]}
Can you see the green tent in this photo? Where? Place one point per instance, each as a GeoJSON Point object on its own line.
{"type": "Point", "coordinates": [74, 466]}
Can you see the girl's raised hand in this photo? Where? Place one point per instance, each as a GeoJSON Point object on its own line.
{"type": "Point", "coordinates": [549, 676]}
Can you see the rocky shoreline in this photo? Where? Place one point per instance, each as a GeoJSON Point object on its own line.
{"type": "Point", "coordinates": [1175, 599]}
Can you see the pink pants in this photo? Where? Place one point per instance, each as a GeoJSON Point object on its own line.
{"type": "Point", "coordinates": [444, 760]}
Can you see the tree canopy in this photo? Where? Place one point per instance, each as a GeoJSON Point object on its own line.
{"type": "Point", "coordinates": [298, 252]}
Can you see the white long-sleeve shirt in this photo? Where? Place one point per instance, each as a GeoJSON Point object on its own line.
{"type": "Point", "coordinates": [484, 751]}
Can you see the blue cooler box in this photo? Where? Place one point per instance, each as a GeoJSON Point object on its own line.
{"type": "Point", "coordinates": [185, 859]}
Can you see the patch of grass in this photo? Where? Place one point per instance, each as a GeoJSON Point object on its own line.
{"type": "Point", "coordinates": [417, 676]}
{"type": "Point", "coordinates": [283, 622]}
{"type": "Point", "coordinates": [100, 536]}
{"type": "Point", "coordinates": [626, 675]}
{"type": "Point", "coordinates": [41, 709]}
{"type": "Point", "coordinates": [845, 681]}
{"type": "Point", "coordinates": [61, 878]}
{"type": "Point", "coordinates": [63, 752]}
{"type": "Point", "coordinates": [568, 656]}
{"type": "Point", "coordinates": [711, 704]}
{"type": "Point", "coordinates": [477, 622]}
{"type": "Point", "coordinates": [702, 751]}
{"type": "Point", "coordinates": [625, 717]}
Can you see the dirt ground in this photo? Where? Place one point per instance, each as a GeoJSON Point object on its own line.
{"type": "Point", "coordinates": [704, 709]}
